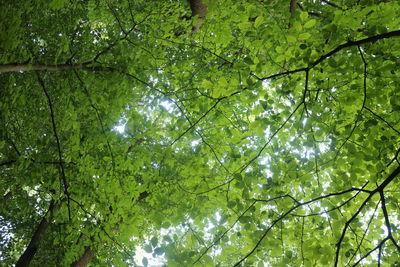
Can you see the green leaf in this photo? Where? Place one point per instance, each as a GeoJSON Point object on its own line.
{"type": "Point", "coordinates": [303, 16]}
{"type": "Point", "coordinates": [222, 82]}
{"type": "Point", "coordinates": [291, 38]}
{"type": "Point", "coordinates": [154, 242]}
{"type": "Point", "coordinates": [310, 23]}
{"type": "Point", "coordinates": [145, 261]}
{"type": "Point", "coordinates": [148, 249]}
{"type": "Point", "coordinates": [222, 138]}
{"type": "Point", "coordinates": [259, 21]}
{"type": "Point", "coordinates": [206, 84]}
{"type": "Point", "coordinates": [58, 4]}
{"type": "Point", "coordinates": [304, 36]}
{"type": "Point", "coordinates": [159, 251]}
{"type": "Point", "coordinates": [248, 61]}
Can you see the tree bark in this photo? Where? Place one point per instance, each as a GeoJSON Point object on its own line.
{"type": "Point", "coordinates": [198, 9]}
{"type": "Point", "coordinates": [86, 257]}
{"type": "Point", "coordinates": [293, 4]}
{"type": "Point", "coordinates": [16, 67]}
{"type": "Point", "coordinates": [30, 251]}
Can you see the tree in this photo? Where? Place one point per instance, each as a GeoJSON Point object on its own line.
{"type": "Point", "coordinates": [255, 132]}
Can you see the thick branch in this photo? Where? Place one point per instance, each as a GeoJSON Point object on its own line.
{"type": "Point", "coordinates": [334, 51]}
{"type": "Point", "coordinates": [86, 257]}
{"type": "Point", "coordinates": [198, 9]}
{"type": "Point", "coordinates": [379, 189]}
{"type": "Point", "coordinates": [293, 4]}
{"type": "Point", "coordinates": [372, 250]}
{"type": "Point", "coordinates": [30, 251]}
{"type": "Point", "coordinates": [16, 67]}
{"type": "Point", "coordinates": [355, 43]}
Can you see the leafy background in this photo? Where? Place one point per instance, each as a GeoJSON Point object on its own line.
{"type": "Point", "coordinates": [269, 136]}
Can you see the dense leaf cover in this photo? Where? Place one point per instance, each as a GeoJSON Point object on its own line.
{"type": "Point", "coordinates": [265, 134]}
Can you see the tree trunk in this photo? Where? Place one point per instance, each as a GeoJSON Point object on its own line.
{"type": "Point", "coordinates": [86, 257]}
{"type": "Point", "coordinates": [200, 9]}
{"type": "Point", "coordinates": [30, 251]}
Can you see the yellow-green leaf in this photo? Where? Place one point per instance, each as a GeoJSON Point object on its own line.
{"type": "Point", "coordinates": [304, 36]}
{"type": "Point", "coordinates": [310, 23]}
{"type": "Point", "coordinates": [259, 21]}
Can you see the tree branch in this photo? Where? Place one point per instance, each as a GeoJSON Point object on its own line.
{"type": "Point", "coordinates": [380, 188]}
{"type": "Point", "coordinates": [382, 119]}
{"type": "Point", "coordinates": [334, 51]}
{"type": "Point", "coordinates": [227, 230]}
{"type": "Point", "coordinates": [86, 257]}
{"type": "Point", "coordinates": [25, 259]}
{"type": "Point", "coordinates": [287, 213]}
{"type": "Point", "coordinates": [17, 67]}
{"type": "Point", "coordinates": [332, 4]}
{"type": "Point", "coordinates": [60, 157]}
{"type": "Point", "coordinates": [372, 250]}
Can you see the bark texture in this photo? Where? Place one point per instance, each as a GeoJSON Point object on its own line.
{"type": "Point", "coordinates": [198, 9]}
{"type": "Point", "coordinates": [26, 257]}
{"type": "Point", "coordinates": [86, 257]}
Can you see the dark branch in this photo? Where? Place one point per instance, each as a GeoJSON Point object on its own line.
{"type": "Point", "coordinates": [60, 156]}
{"type": "Point", "coordinates": [365, 233]}
{"type": "Point", "coordinates": [227, 230]}
{"type": "Point", "coordinates": [198, 120]}
{"type": "Point", "coordinates": [17, 67]}
{"type": "Point", "coordinates": [30, 251]}
{"type": "Point", "coordinates": [382, 119]}
{"type": "Point", "coordinates": [289, 212]}
{"type": "Point", "coordinates": [380, 188]}
{"type": "Point", "coordinates": [332, 4]}
{"type": "Point", "coordinates": [334, 51]}
{"type": "Point", "coordinates": [372, 250]}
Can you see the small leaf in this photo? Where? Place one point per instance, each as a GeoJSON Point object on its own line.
{"type": "Point", "coordinates": [145, 262]}
{"type": "Point", "coordinates": [154, 241]}
{"type": "Point", "coordinates": [148, 248]}
{"type": "Point", "coordinates": [303, 16]}
{"type": "Point", "coordinates": [264, 104]}
{"type": "Point", "coordinates": [303, 46]}
{"type": "Point", "coordinates": [248, 61]}
{"type": "Point", "coordinates": [222, 82]}
{"type": "Point", "coordinates": [304, 36]}
{"type": "Point", "coordinates": [310, 23]}
{"type": "Point", "coordinates": [206, 84]}
{"type": "Point", "coordinates": [259, 21]}
{"type": "Point", "coordinates": [159, 251]}
{"type": "Point", "coordinates": [238, 176]}
{"type": "Point", "coordinates": [231, 204]}
{"type": "Point", "coordinates": [166, 225]}
{"type": "Point", "coordinates": [291, 38]}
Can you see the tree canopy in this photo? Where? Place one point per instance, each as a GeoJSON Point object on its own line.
{"type": "Point", "coordinates": [200, 133]}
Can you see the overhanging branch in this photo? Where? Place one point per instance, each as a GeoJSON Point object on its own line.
{"type": "Point", "coordinates": [334, 51]}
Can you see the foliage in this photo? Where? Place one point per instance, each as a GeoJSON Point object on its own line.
{"type": "Point", "coordinates": [269, 135]}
